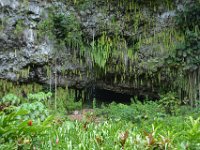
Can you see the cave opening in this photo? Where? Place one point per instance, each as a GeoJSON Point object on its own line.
{"type": "Point", "coordinates": [105, 97]}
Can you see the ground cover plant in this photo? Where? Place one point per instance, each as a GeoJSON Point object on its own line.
{"type": "Point", "coordinates": [116, 126]}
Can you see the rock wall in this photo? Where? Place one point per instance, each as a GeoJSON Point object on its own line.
{"type": "Point", "coordinates": [24, 57]}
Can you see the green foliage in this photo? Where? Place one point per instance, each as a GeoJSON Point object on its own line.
{"type": "Point", "coordinates": [186, 57]}
{"type": "Point", "coordinates": [19, 28]}
{"type": "Point", "coordinates": [17, 134]}
{"type": "Point", "coordinates": [18, 89]}
{"type": "Point", "coordinates": [136, 112]}
{"type": "Point", "coordinates": [65, 28]}
{"type": "Point", "coordinates": [40, 96]}
{"type": "Point", "coordinates": [137, 126]}
{"type": "Point", "coordinates": [66, 100]}
{"type": "Point", "coordinates": [118, 111]}
{"type": "Point", "coordinates": [169, 102]}
{"type": "Point", "coordinates": [8, 125]}
{"type": "Point", "coordinates": [193, 134]}
{"type": "Point", "coordinates": [188, 17]}
{"type": "Point", "coordinates": [10, 99]}
{"type": "Point", "coordinates": [45, 28]}
{"type": "Point", "coordinates": [37, 111]}
{"type": "Point", "coordinates": [101, 50]}
{"type": "Point", "coordinates": [184, 110]}
{"type": "Point", "coordinates": [188, 53]}
{"type": "Point", "coordinates": [162, 134]}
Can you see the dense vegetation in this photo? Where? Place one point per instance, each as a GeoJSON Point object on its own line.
{"type": "Point", "coordinates": [116, 126]}
{"type": "Point", "coordinates": [34, 116]}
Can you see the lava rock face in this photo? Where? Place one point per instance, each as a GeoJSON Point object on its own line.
{"type": "Point", "coordinates": [24, 56]}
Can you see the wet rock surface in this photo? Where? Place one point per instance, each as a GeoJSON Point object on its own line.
{"type": "Point", "coordinates": [21, 49]}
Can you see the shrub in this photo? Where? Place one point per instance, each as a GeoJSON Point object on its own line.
{"type": "Point", "coordinates": [17, 133]}
{"type": "Point", "coordinates": [10, 99]}
{"type": "Point", "coordinates": [188, 17]}
{"type": "Point", "coordinates": [41, 96]}
{"type": "Point", "coordinates": [169, 102]}
{"type": "Point", "coordinates": [36, 111]}
{"type": "Point", "coordinates": [65, 28]}
{"type": "Point", "coordinates": [136, 112]}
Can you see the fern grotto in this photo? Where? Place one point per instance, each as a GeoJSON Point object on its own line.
{"type": "Point", "coordinates": [100, 74]}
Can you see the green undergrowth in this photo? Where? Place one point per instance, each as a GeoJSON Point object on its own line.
{"type": "Point", "coordinates": [137, 111]}
{"type": "Point", "coordinates": [136, 126]}
{"type": "Point", "coordinates": [17, 93]}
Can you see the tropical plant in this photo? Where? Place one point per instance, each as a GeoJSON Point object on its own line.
{"type": "Point", "coordinates": [187, 54]}
{"type": "Point", "coordinates": [193, 133]}
{"type": "Point", "coordinates": [37, 111]}
{"type": "Point", "coordinates": [64, 27]}
{"type": "Point", "coordinates": [10, 99]}
{"type": "Point", "coordinates": [41, 96]}
{"type": "Point", "coordinates": [188, 17]}
{"type": "Point", "coordinates": [17, 133]}
{"type": "Point", "coordinates": [136, 112]}
{"type": "Point", "coordinates": [169, 102]}
{"type": "Point", "coordinates": [101, 49]}
{"type": "Point", "coordinates": [122, 135]}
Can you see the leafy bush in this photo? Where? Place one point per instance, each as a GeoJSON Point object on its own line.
{"type": "Point", "coordinates": [65, 28]}
{"type": "Point", "coordinates": [187, 53]}
{"type": "Point", "coordinates": [16, 133]}
{"type": "Point", "coordinates": [10, 99]}
{"type": "Point", "coordinates": [188, 17]}
{"type": "Point", "coordinates": [193, 132]}
{"type": "Point", "coordinates": [41, 96]}
{"type": "Point", "coordinates": [36, 111]}
{"type": "Point", "coordinates": [118, 111]}
{"type": "Point", "coordinates": [136, 112]}
{"type": "Point", "coordinates": [101, 50]}
{"type": "Point", "coordinates": [169, 102]}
